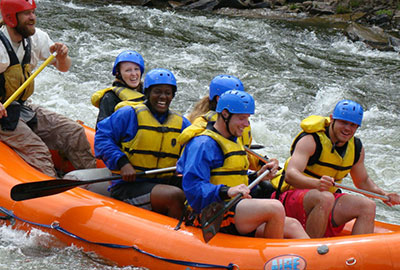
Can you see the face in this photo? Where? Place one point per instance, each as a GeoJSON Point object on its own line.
{"type": "Point", "coordinates": [26, 23]}
{"type": "Point", "coordinates": [343, 131]}
{"type": "Point", "coordinates": [160, 97]}
{"type": "Point", "coordinates": [237, 123]}
{"type": "Point", "coordinates": [130, 73]}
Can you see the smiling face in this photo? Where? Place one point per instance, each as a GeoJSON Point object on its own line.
{"type": "Point", "coordinates": [237, 123]}
{"type": "Point", "coordinates": [160, 97]}
{"type": "Point", "coordinates": [130, 73]}
{"type": "Point", "coordinates": [26, 23]}
{"type": "Point", "coordinates": [342, 131]}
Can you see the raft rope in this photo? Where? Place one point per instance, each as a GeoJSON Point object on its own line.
{"type": "Point", "coordinates": [9, 215]}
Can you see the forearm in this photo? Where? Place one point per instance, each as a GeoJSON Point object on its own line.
{"type": "Point", "coordinates": [199, 193]}
{"type": "Point", "coordinates": [370, 186]}
{"type": "Point", "coordinates": [299, 180]}
{"type": "Point", "coordinates": [63, 64]}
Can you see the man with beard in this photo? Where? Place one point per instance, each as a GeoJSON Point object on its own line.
{"type": "Point", "coordinates": [30, 129]}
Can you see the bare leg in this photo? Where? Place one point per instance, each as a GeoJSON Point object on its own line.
{"type": "Point", "coordinates": [362, 209]}
{"type": "Point", "coordinates": [253, 213]}
{"type": "Point", "coordinates": [318, 206]}
{"type": "Point", "coordinates": [167, 200]}
{"type": "Point", "coordinates": [294, 230]}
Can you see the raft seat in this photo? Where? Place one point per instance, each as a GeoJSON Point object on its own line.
{"type": "Point", "coordinates": [92, 174]}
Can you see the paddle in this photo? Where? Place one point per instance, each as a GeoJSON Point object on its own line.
{"type": "Point", "coordinates": [364, 192]}
{"type": "Point", "coordinates": [28, 81]}
{"type": "Point", "coordinates": [361, 191]}
{"type": "Point", "coordinates": [256, 146]}
{"type": "Point", "coordinates": [38, 189]}
{"type": "Point", "coordinates": [212, 215]}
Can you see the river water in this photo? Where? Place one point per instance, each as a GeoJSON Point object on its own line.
{"type": "Point", "coordinates": [292, 70]}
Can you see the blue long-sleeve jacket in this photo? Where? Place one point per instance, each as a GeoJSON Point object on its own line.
{"type": "Point", "coordinates": [201, 155]}
{"type": "Point", "coordinates": [121, 126]}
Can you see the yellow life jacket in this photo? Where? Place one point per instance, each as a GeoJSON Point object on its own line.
{"type": "Point", "coordinates": [123, 93]}
{"type": "Point", "coordinates": [326, 160]}
{"type": "Point", "coordinates": [234, 170]}
{"type": "Point", "coordinates": [246, 138]}
{"type": "Point", "coordinates": [155, 145]}
{"type": "Point", "coordinates": [17, 73]}
{"type": "Point", "coordinates": [211, 116]}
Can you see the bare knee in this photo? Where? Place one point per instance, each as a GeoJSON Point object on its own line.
{"type": "Point", "coordinates": [368, 208]}
{"type": "Point", "coordinates": [323, 200]}
{"type": "Point", "coordinates": [275, 209]}
{"type": "Point", "coordinates": [168, 200]}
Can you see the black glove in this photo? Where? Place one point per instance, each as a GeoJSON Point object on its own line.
{"type": "Point", "coordinates": [10, 122]}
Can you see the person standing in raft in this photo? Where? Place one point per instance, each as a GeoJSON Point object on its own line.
{"type": "Point", "coordinates": [30, 129]}
{"type": "Point", "coordinates": [144, 137]}
{"type": "Point", "coordinates": [322, 154]}
{"type": "Point", "coordinates": [214, 167]}
{"type": "Point", "coordinates": [127, 86]}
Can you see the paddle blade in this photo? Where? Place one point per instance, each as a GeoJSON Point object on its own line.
{"type": "Point", "coordinates": [32, 190]}
{"type": "Point", "coordinates": [211, 220]}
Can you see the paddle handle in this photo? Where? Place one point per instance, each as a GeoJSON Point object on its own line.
{"type": "Point", "coordinates": [361, 191]}
{"type": "Point", "coordinates": [364, 192]}
{"type": "Point", "coordinates": [252, 185]}
{"type": "Point", "coordinates": [28, 81]}
{"type": "Point", "coordinates": [235, 199]}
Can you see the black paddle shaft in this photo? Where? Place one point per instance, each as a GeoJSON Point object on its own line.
{"type": "Point", "coordinates": [25, 191]}
{"type": "Point", "coordinates": [32, 190]}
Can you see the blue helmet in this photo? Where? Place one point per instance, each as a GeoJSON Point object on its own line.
{"type": "Point", "coordinates": [348, 110]}
{"type": "Point", "coordinates": [129, 56]}
{"type": "Point", "coordinates": [236, 102]}
{"type": "Point", "coordinates": [159, 76]}
{"type": "Point", "coordinates": [222, 83]}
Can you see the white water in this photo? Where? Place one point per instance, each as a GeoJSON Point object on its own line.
{"type": "Point", "coordinates": [292, 71]}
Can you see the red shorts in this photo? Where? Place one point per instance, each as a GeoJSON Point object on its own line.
{"type": "Point", "coordinates": [293, 202]}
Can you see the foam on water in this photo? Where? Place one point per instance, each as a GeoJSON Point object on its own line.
{"type": "Point", "coordinates": [292, 71]}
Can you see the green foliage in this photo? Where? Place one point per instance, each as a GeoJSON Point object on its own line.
{"type": "Point", "coordinates": [342, 9]}
{"type": "Point", "coordinates": [293, 6]}
{"type": "Point", "coordinates": [354, 4]}
{"type": "Point", "coordinates": [384, 11]}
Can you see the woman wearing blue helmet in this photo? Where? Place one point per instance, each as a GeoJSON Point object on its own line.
{"type": "Point", "coordinates": [143, 137]}
{"type": "Point", "coordinates": [215, 168]}
{"type": "Point", "coordinates": [127, 86]}
{"type": "Point", "coordinates": [218, 85]}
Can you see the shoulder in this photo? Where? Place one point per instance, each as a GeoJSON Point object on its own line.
{"type": "Point", "coordinates": [110, 96]}
{"type": "Point", "coordinates": [186, 122]}
{"type": "Point", "coordinates": [126, 110]}
{"type": "Point", "coordinates": [204, 143]}
{"type": "Point", "coordinates": [204, 148]}
{"type": "Point", "coordinates": [40, 39]}
{"type": "Point", "coordinates": [40, 44]}
{"type": "Point", "coordinates": [305, 142]}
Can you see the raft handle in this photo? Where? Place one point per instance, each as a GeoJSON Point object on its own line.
{"type": "Point", "coordinates": [351, 261]}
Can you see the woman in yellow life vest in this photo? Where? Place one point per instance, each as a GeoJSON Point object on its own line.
{"type": "Point", "coordinates": [128, 70]}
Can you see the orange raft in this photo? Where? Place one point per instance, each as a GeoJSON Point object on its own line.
{"type": "Point", "coordinates": [125, 235]}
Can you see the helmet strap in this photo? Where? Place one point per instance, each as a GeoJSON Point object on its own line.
{"type": "Point", "coordinates": [227, 120]}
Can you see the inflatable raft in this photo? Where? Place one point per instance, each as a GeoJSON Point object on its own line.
{"type": "Point", "coordinates": [125, 235]}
